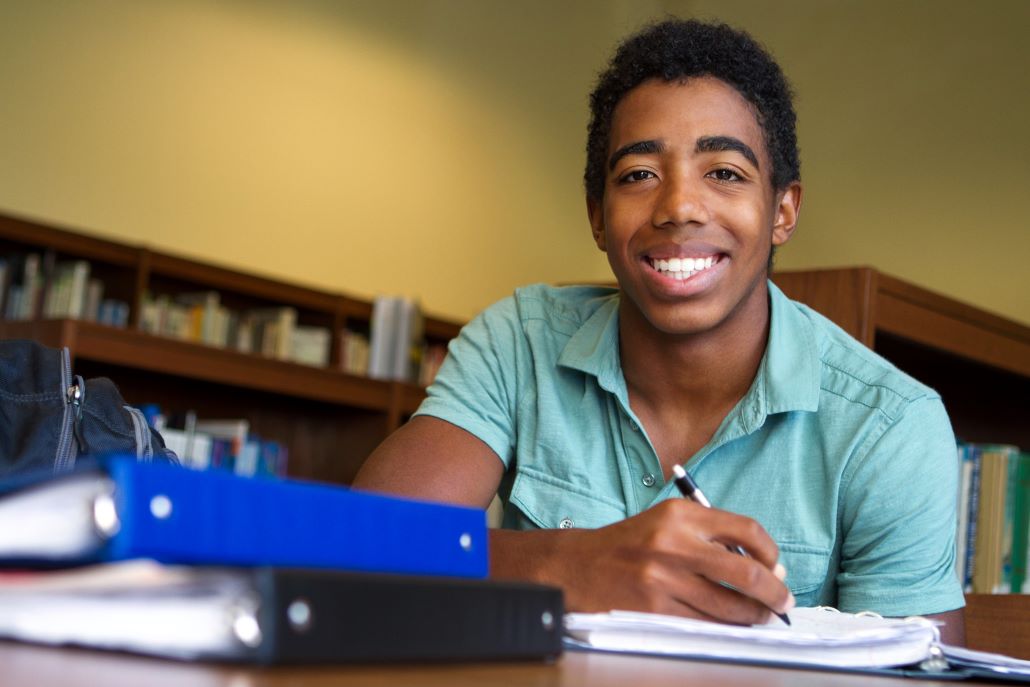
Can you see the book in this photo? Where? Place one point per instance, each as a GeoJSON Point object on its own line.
{"type": "Point", "coordinates": [821, 638]}
{"type": "Point", "coordinates": [973, 456]}
{"type": "Point", "coordinates": [277, 615]}
{"type": "Point", "coordinates": [310, 345]}
{"type": "Point", "coordinates": [1021, 525]}
{"type": "Point", "coordinates": [354, 352]}
{"type": "Point", "coordinates": [120, 509]}
{"type": "Point", "coordinates": [65, 292]}
{"type": "Point", "coordinates": [270, 331]}
{"type": "Point", "coordinates": [961, 533]}
{"type": "Point", "coordinates": [382, 337]}
{"type": "Point", "coordinates": [988, 562]}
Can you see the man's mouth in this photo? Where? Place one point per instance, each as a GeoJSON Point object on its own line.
{"type": "Point", "coordinates": [682, 268]}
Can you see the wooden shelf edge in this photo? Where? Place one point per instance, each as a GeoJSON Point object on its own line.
{"type": "Point", "coordinates": [960, 337]}
{"type": "Point", "coordinates": [27, 231]}
{"type": "Point", "coordinates": [138, 350]}
{"type": "Point", "coordinates": [226, 279]}
{"type": "Point", "coordinates": [865, 301]}
{"type": "Point", "coordinates": [954, 309]}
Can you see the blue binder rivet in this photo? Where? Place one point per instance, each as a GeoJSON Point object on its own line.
{"type": "Point", "coordinates": [160, 506]}
{"type": "Point", "coordinates": [465, 541]}
{"type": "Point", "coordinates": [547, 620]}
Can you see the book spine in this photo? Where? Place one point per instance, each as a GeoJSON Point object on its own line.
{"type": "Point", "coordinates": [973, 511]}
{"type": "Point", "coordinates": [1011, 467]}
{"type": "Point", "coordinates": [1020, 524]}
{"type": "Point", "coordinates": [966, 472]}
{"type": "Point", "coordinates": [991, 519]}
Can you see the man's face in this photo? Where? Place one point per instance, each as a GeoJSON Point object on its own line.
{"type": "Point", "coordinates": [689, 214]}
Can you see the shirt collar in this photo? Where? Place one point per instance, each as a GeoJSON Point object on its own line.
{"type": "Point", "coordinates": [594, 347]}
{"type": "Point", "coordinates": [788, 377]}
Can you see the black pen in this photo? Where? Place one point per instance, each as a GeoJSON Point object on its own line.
{"type": "Point", "coordinates": [688, 487]}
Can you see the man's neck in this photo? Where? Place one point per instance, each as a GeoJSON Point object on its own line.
{"type": "Point", "coordinates": [694, 373]}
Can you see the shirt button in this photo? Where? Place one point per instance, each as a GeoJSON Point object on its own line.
{"type": "Point", "coordinates": [566, 523]}
{"type": "Point", "coordinates": [648, 480]}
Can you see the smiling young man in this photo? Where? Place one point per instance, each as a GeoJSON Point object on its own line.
{"type": "Point", "coordinates": [835, 471]}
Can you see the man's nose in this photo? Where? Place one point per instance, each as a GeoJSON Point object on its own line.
{"type": "Point", "coordinates": [681, 201]}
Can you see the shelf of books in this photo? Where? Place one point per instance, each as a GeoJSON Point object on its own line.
{"type": "Point", "coordinates": [993, 519]}
{"type": "Point", "coordinates": [323, 374]}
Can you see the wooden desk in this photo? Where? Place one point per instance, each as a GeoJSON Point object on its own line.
{"type": "Point", "coordinates": [31, 666]}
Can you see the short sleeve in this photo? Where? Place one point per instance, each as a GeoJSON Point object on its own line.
{"type": "Point", "coordinates": [898, 517]}
{"type": "Point", "coordinates": [476, 386]}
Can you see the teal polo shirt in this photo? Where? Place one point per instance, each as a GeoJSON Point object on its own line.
{"type": "Point", "coordinates": [848, 463]}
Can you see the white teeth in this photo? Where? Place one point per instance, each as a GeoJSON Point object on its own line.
{"type": "Point", "coordinates": [682, 268]}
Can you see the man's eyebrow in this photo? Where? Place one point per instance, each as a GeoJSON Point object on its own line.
{"type": "Point", "coordinates": [638, 148]}
{"type": "Point", "coordinates": [718, 144]}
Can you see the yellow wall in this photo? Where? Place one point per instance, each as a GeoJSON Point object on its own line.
{"type": "Point", "coordinates": [434, 147]}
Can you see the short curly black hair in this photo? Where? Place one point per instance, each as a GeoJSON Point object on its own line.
{"type": "Point", "coordinates": [679, 49]}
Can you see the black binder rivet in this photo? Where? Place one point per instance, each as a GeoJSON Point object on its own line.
{"type": "Point", "coordinates": [547, 620]}
{"type": "Point", "coordinates": [299, 615]}
{"type": "Point", "coordinates": [465, 541]}
{"type": "Point", "coordinates": [160, 506]}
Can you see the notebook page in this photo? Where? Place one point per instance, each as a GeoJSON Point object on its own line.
{"type": "Point", "coordinates": [816, 637]}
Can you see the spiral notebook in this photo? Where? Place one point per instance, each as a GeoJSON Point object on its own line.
{"type": "Point", "coordinates": [818, 638]}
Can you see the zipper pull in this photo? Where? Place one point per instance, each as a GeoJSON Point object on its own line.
{"type": "Point", "coordinates": [77, 396]}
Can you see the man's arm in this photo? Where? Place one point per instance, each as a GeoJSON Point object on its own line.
{"type": "Point", "coordinates": [669, 559]}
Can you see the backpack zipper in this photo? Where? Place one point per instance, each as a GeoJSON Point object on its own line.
{"type": "Point", "coordinates": [70, 442]}
{"type": "Point", "coordinates": [77, 397]}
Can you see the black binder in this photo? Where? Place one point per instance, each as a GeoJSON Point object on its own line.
{"type": "Point", "coordinates": [279, 615]}
{"type": "Point", "coordinates": [381, 617]}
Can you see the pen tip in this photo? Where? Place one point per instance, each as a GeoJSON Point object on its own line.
{"type": "Point", "coordinates": [784, 618]}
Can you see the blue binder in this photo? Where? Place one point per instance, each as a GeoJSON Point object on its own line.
{"type": "Point", "coordinates": [175, 515]}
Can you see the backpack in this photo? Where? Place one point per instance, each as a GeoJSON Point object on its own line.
{"type": "Point", "coordinates": [50, 418]}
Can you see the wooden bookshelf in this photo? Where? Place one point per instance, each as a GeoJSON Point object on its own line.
{"type": "Point", "coordinates": [330, 420]}
{"type": "Point", "coordinates": [999, 623]}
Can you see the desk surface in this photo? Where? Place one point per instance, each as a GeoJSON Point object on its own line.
{"type": "Point", "coordinates": [32, 666]}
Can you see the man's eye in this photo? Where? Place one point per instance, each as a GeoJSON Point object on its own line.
{"type": "Point", "coordinates": [638, 175]}
{"type": "Point", "coordinates": [724, 175]}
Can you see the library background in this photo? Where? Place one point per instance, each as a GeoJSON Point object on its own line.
{"type": "Point", "coordinates": [172, 173]}
{"type": "Point", "coordinates": [267, 378]}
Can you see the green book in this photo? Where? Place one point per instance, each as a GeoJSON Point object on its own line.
{"type": "Point", "coordinates": [1020, 522]}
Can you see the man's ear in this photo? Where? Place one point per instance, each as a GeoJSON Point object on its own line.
{"type": "Point", "coordinates": [788, 208]}
{"type": "Point", "coordinates": [595, 213]}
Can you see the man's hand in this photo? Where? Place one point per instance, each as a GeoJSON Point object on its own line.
{"type": "Point", "coordinates": [669, 559]}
